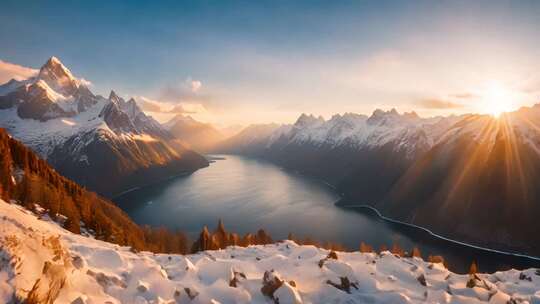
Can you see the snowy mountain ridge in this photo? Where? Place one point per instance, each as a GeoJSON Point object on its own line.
{"type": "Point", "coordinates": [56, 84]}
{"type": "Point", "coordinates": [42, 261]}
{"type": "Point", "coordinates": [57, 116]}
{"type": "Point", "coordinates": [407, 132]}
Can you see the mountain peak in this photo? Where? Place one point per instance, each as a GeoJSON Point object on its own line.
{"type": "Point", "coordinates": [54, 60]}
{"type": "Point", "coordinates": [58, 77]}
{"type": "Point", "coordinates": [114, 97]}
{"type": "Point", "coordinates": [54, 64]}
{"type": "Point", "coordinates": [305, 120]}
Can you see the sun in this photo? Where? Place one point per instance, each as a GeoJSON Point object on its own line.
{"type": "Point", "coordinates": [497, 100]}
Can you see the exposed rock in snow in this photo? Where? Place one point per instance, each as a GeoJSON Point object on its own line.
{"type": "Point", "coordinates": [39, 258]}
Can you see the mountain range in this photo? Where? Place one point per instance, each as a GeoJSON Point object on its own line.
{"type": "Point", "coordinates": [472, 177]}
{"type": "Point", "coordinates": [108, 145]}
{"type": "Point", "coordinates": [194, 134]}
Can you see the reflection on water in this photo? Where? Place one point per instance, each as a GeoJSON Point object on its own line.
{"type": "Point", "coordinates": [249, 194]}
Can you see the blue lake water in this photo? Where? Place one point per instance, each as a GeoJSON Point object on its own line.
{"type": "Point", "coordinates": [248, 194]}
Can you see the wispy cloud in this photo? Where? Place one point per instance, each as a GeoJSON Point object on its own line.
{"type": "Point", "coordinates": [150, 105]}
{"type": "Point", "coordinates": [195, 85]}
{"type": "Point", "coordinates": [187, 91]}
{"type": "Point", "coordinates": [464, 95]}
{"type": "Point", "coordinates": [437, 103]}
{"type": "Point", "coordinates": [10, 71]}
{"type": "Point", "coordinates": [147, 104]}
{"type": "Point", "coordinates": [86, 82]}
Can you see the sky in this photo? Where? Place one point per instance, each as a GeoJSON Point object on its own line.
{"type": "Point", "coordinates": [243, 62]}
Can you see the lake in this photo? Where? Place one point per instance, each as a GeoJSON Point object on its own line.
{"type": "Point", "coordinates": [249, 194]}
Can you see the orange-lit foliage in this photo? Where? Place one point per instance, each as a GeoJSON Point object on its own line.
{"type": "Point", "coordinates": [397, 250]}
{"type": "Point", "coordinates": [26, 178]}
{"type": "Point", "coordinates": [221, 239]}
{"type": "Point", "coordinates": [365, 248]}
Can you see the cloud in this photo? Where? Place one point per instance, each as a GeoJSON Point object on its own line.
{"type": "Point", "coordinates": [85, 82]}
{"type": "Point", "coordinates": [179, 109]}
{"type": "Point", "coordinates": [147, 104]}
{"type": "Point", "coordinates": [465, 95]}
{"type": "Point", "coordinates": [188, 91]}
{"type": "Point", "coordinates": [10, 71]}
{"type": "Point", "coordinates": [436, 103]}
{"type": "Point", "coordinates": [150, 105]}
{"type": "Point", "coordinates": [195, 85]}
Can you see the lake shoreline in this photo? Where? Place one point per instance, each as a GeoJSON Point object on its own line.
{"type": "Point", "coordinates": [249, 193]}
{"type": "Point", "coordinates": [491, 250]}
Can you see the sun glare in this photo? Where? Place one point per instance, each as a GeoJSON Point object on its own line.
{"type": "Point", "coordinates": [497, 100]}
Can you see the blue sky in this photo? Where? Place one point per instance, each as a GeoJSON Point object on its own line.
{"type": "Point", "coordinates": [261, 61]}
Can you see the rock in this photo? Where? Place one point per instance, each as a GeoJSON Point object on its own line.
{"type": "Point", "coordinates": [332, 255]}
{"type": "Point", "coordinates": [525, 277]}
{"type": "Point", "coordinates": [271, 282]}
{"type": "Point", "coordinates": [345, 284]}
{"type": "Point", "coordinates": [78, 262]}
{"type": "Point", "coordinates": [47, 288]}
{"type": "Point", "coordinates": [80, 300]}
{"type": "Point", "coordinates": [192, 293]}
{"type": "Point", "coordinates": [422, 279]}
{"type": "Point", "coordinates": [105, 280]}
{"type": "Point", "coordinates": [236, 278]}
{"type": "Point", "coordinates": [142, 286]}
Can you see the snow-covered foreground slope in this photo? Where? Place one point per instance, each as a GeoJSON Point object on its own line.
{"type": "Point", "coordinates": [40, 260]}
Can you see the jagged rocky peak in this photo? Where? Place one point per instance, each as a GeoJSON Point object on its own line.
{"type": "Point", "coordinates": [116, 119]}
{"type": "Point", "coordinates": [131, 108]}
{"type": "Point", "coordinates": [114, 97]}
{"type": "Point", "coordinates": [348, 117]}
{"type": "Point", "coordinates": [306, 120]}
{"type": "Point", "coordinates": [411, 115]}
{"type": "Point", "coordinates": [380, 117]}
{"type": "Point", "coordinates": [58, 77]}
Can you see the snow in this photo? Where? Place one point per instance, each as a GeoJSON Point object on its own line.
{"type": "Point", "coordinates": [12, 85]}
{"type": "Point", "coordinates": [96, 272]}
{"type": "Point", "coordinates": [43, 136]}
{"type": "Point", "coordinates": [59, 86]}
{"type": "Point", "coordinates": [407, 131]}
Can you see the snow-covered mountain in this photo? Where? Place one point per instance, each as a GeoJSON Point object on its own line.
{"type": "Point", "coordinates": [426, 171]}
{"type": "Point", "coordinates": [194, 134]}
{"type": "Point", "coordinates": [104, 144]}
{"type": "Point", "coordinates": [253, 139]}
{"type": "Point", "coordinates": [44, 263]}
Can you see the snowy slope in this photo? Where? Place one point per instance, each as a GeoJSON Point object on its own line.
{"type": "Point", "coordinates": [43, 136]}
{"type": "Point", "coordinates": [41, 260]}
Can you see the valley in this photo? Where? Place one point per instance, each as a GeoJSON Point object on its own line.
{"type": "Point", "coordinates": [249, 194]}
